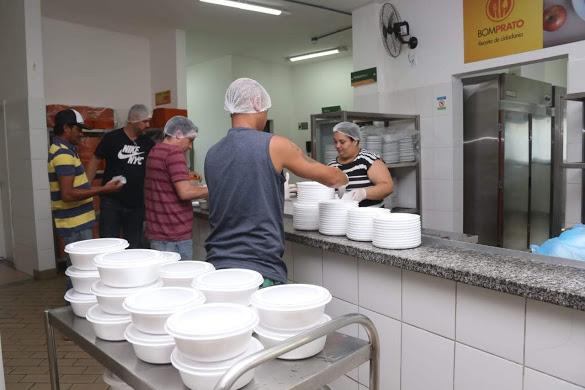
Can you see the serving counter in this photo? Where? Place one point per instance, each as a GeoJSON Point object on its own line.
{"type": "Point", "coordinates": [449, 311]}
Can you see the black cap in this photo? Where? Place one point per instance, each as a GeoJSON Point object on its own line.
{"type": "Point", "coordinates": [69, 117]}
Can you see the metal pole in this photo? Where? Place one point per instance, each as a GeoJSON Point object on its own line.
{"type": "Point", "coordinates": [52, 352]}
{"type": "Point", "coordinates": [319, 6]}
{"type": "Point", "coordinates": [240, 368]}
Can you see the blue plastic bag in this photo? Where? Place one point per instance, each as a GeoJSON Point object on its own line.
{"type": "Point", "coordinates": [570, 244]}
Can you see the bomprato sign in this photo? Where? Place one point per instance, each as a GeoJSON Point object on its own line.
{"type": "Point", "coordinates": [495, 28]}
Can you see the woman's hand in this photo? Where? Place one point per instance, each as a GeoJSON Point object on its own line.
{"type": "Point", "coordinates": [357, 195]}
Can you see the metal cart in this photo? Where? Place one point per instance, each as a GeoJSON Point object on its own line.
{"type": "Point", "coordinates": [321, 132]}
{"type": "Point", "coordinates": [341, 354]}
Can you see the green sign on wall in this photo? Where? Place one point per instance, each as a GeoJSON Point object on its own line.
{"type": "Point", "coordinates": [330, 109]}
{"type": "Point", "coordinates": [363, 77]}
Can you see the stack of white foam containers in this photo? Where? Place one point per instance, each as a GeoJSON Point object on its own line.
{"type": "Point", "coordinates": [306, 208]}
{"type": "Point", "coordinates": [290, 309]}
{"type": "Point", "coordinates": [83, 272]}
{"type": "Point", "coordinates": [209, 340]}
{"type": "Point", "coordinates": [122, 274]}
{"type": "Point", "coordinates": [149, 310]}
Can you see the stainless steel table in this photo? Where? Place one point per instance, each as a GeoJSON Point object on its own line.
{"type": "Point", "coordinates": [341, 354]}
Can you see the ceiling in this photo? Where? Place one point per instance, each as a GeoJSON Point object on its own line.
{"type": "Point", "coordinates": [214, 31]}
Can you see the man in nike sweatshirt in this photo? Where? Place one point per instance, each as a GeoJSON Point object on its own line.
{"type": "Point", "coordinates": [125, 151]}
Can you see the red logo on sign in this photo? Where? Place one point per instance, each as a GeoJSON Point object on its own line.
{"type": "Point", "coordinates": [498, 10]}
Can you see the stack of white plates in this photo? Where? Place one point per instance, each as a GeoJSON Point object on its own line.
{"type": "Point", "coordinates": [391, 152]}
{"type": "Point", "coordinates": [313, 192]}
{"type": "Point", "coordinates": [360, 224]}
{"type": "Point", "coordinates": [406, 146]}
{"type": "Point", "coordinates": [330, 153]}
{"type": "Point", "coordinates": [306, 216]}
{"type": "Point", "coordinates": [397, 231]}
{"type": "Point", "coordinates": [374, 143]}
{"type": "Point", "coordinates": [333, 216]}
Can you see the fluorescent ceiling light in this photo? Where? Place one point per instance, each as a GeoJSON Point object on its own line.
{"type": "Point", "coordinates": [245, 6]}
{"type": "Point", "coordinates": [313, 55]}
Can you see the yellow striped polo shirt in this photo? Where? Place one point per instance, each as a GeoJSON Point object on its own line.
{"type": "Point", "coordinates": [69, 217]}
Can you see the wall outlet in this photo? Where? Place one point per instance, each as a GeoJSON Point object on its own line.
{"type": "Point", "coordinates": [303, 126]}
{"type": "Point", "coordinates": [412, 58]}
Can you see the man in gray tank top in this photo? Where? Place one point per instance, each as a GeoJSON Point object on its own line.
{"type": "Point", "coordinates": [244, 176]}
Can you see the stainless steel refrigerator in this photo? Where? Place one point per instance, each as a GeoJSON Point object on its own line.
{"type": "Point", "coordinates": [512, 153]}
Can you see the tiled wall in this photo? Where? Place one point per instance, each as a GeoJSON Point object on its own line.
{"type": "Point", "coordinates": [442, 335]}
{"type": "Point", "coordinates": [441, 148]}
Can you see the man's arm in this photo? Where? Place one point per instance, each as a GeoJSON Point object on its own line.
{"type": "Point", "coordinates": [70, 194]}
{"type": "Point", "coordinates": [92, 168]}
{"type": "Point", "coordinates": [285, 154]}
{"type": "Point", "coordinates": [187, 191]}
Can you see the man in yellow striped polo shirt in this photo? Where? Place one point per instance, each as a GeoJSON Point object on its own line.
{"type": "Point", "coordinates": [71, 192]}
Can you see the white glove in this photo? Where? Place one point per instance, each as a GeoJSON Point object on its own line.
{"type": "Point", "coordinates": [341, 189]}
{"type": "Point", "coordinates": [356, 195]}
{"type": "Point", "coordinates": [119, 178]}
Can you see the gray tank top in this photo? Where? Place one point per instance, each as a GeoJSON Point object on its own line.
{"type": "Point", "coordinates": [246, 205]}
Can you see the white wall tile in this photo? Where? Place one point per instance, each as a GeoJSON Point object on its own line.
{"type": "Point", "coordinates": [288, 259]}
{"type": "Point", "coordinates": [427, 132]}
{"type": "Point", "coordinates": [37, 116]}
{"type": "Point", "coordinates": [444, 195]}
{"type": "Point", "coordinates": [25, 258]}
{"type": "Point", "coordinates": [439, 220]}
{"type": "Point", "coordinates": [46, 259]}
{"type": "Point", "coordinates": [344, 383]}
{"type": "Point", "coordinates": [428, 194]}
{"type": "Point", "coordinates": [42, 204]}
{"type": "Point", "coordinates": [458, 163]}
{"type": "Point", "coordinates": [20, 175]}
{"type": "Point", "coordinates": [44, 234]}
{"type": "Point", "coordinates": [555, 341]}
{"type": "Point", "coordinates": [389, 331]}
{"type": "Point", "coordinates": [491, 321]}
{"type": "Point", "coordinates": [458, 196]}
{"type": "Point", "coordinates": [38, 144]}
{"type": "Point", "coordinates": [427, 360]}
{"type": "Point", "coordinates": [340, 276]}
{"type": "Point", "coordinates": [477, 370]}
{"type": "Point", "coordinates": [23, 203]}
{"type": "Point", "coordinates": [308, 264]}
{"type": "Point", "coordinates": [40, 175]}
{"type": "Point", "coordinates": [427, 161]}
{"type": "Point", "coordinates": [380, 288]}
{"type": "Point", "coordinates": [24, 230]}
{"type": "Point", "coordinates": [443, 163]}
{"type": "Point", "coordinates": [424, 100]}
{"type": "Point", "coordinates": [534, 380]}
{"type": "Point", "coordinates": [428, 302]}
{"type": "Point", "coordinates": [443, 131]}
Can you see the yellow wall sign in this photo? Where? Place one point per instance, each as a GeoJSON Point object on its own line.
{"type": "Point", "coordinates": [163, 97]}
{"type": "Point", "coordinates": [495, 28]}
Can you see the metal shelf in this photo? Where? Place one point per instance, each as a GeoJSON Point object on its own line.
{"type": "Point", "coordinates": [573, 165]}
{"type": "Point", "coordinates": [578, 97]}
{"type": "Point", "coordinates": [341, 354]}
{"type": "Point", "coordinates": [403, 164]}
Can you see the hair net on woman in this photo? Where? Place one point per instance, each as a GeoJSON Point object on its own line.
{"type": "Point", "coordinates": [138, 112]}
{"type": "Point", "coordinates": [181, 127]}
{"type": "Point", "coordinates": [348, 128]}
{"type": "Point", "coordinates": [246, 96]}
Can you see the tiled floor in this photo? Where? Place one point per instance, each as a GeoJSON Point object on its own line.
{"type": "Point", "coordinates": [24, 344]}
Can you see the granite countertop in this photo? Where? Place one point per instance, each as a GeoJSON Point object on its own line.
{"type": "Point", "coordinates": [553, 280]}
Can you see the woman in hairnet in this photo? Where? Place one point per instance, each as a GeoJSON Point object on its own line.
{"type": "Point", "coordinates": [369, 178]}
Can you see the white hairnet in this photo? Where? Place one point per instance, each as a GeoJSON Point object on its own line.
{"type": "Point", "coordinates": [348, 128]}
{"type": "Point", "coordinates": [138, 113]}
{"type": "Point", "coordinates": [246, 96]}
{"type": "Point", "coordinates": [181, 127]}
